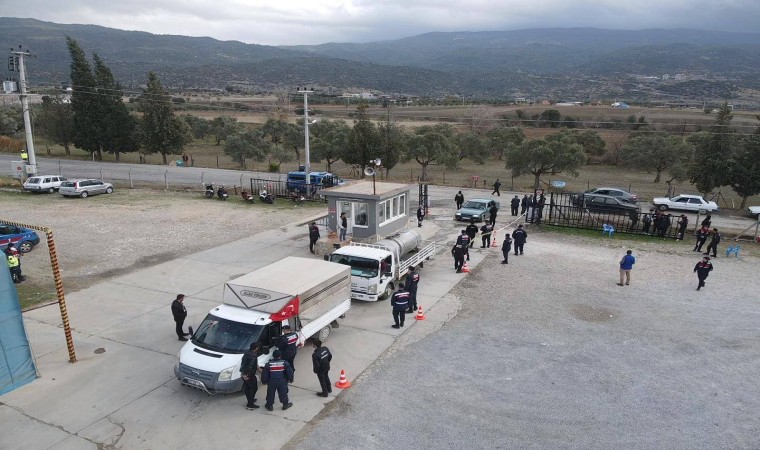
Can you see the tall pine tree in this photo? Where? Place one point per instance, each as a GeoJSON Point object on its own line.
{"type": "Point", "coordinates": [161, 131]}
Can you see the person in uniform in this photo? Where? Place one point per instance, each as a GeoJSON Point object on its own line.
{"type": "Point", "coordinates": [248, 368]}
{"type": "Point", "coordinates": [485, 235]}
{"type": "Point", "coordinates": [313, 235]}
{"type": "Point", "coordinates": [703, 269]}
{"type": "Point", "coordinates": [524, 204]}
{"type": "Point", "coordinates": [459, 199]}
{"type": "Point", "coordinates": [320, 359]}
{"type": "Point", "coordinates": [707, 221]}
{"type": "Point", "coordinates": [412, 280]}
{"type": "Point", "coordinates": [492, 211]}
{"type": "Point", "coordinates": [515, 204]}
{"type": "Point", "coordinates": [288, 345]}
{"type": "Point", "coordinates": [277, 373]}
{"type": "Point", "coordinates": [496, 187]}
{"type": "Point", "coordinates": [520, 237]}
{"type": "Point", "coordinates": [714, 241]}
{"type": "Point", "coordinates": [179, 312]}
{"type": "Point", "coordinates": [420, 216]}
{"type": "Point", "coordinates": [683, 222]}
{"type": "Point", "coordinates": [400, 303]}
{"type": "Point", "coordinates": [464, 240]}
{"type": "Point", "coordinates": [458, 252]}
{"type": "Point", "coordinates": [472, 231]}
{"type": "Point", "coordinates": [702, 234]}
{"type": "Point", "coordinates": [506, 246]}
{"type": "Point", "coordinates": [14, 267]}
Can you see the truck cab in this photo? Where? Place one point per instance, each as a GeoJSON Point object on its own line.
{"type": "Point", "coordinates": [372, 271]}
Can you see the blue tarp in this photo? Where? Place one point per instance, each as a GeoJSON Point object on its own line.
{"type": "Point", "coordinates": [16, 362]}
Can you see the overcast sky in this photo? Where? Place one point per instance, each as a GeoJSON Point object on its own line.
{"type": "Point", "coordinates": [290, 22]}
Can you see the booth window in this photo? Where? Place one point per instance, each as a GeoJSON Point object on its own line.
{"type": "Point", "coordinates": [391, 209]}
{"type": "Point", "coordinates": [360, 214]}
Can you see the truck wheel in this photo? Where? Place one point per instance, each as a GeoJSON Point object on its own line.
{"type": "Point", "coordinates": [324, 333]}
{"type": "Point", "coordinates": [388, 292]}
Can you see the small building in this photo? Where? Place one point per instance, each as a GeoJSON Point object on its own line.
{"type": "Point", "coordinates": [372, 214]}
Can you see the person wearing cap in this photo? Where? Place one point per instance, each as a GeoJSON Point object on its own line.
{"type": "Point", "coordinates": [506, 247]}
{"type": "Point", "coordinates": [458, 252]}
{"type": "Point", "coordinates": [288, 345]}
{"type": "Point", "coordinates": [412, 280]}
{"type": "Point", "coordinates": [400, 303]}
{"type": "Point", "coordinates": [277, 373]}
{"type": "Point", "coordinates": [179, 312]}
{"type": "Point", "coordinates": [520, 237]}
{"type": "Point", "coordinates": [320, 359]}
{"type": "Point", "coordinates": [248, 368]}
{"type": "Point", "coordinates": [703, 269]}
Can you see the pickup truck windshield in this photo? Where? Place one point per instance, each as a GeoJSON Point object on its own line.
{"type": "Point", "coordinates": [360, 267]}
{"type": "Point", "coordinates": [475, 205]}
{"type": "Point", "coordinates": [226, 336]}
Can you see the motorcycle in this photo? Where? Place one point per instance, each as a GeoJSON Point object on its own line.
{"type": "Point", "coordinates": [297, 198]}
{"type": "Point", "coordinates": [210, 190]}
{"type": "Point", "coordinates": [221, 193]}
{"type": "Point", "coordinates": [266, 197]}
{"type": "Point", "coordinates": [246, 196]}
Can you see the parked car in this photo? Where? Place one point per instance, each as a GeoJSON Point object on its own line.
{"type": "Point", "coordinates": [84, 188]}
{"type": "Point", "coordinates": [23, 238]}
{"type": "Point", "coordinates": [610, 204]}
{"type": "Point", "coordinates": [615, 192]}
{"type": "Point", "coordinates": [685, 202]}
{"type": "Point", "coordinates": [754, 211]}
{"type": "Point", "coordinates": [43, 183]}
{"type": "Point", "coordinates": [476, 208]}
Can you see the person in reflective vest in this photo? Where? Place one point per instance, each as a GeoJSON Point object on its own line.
{"type": "Point", "coordinates": [25, 156]}
{"type": "Point", "coordinates": [412, 280]}
{"type": "Point", "coordinates": [400, 303]}
{"type": "Point", "coordinates": [276, 375]}
{"type": "Point", "coordinates": [288, 345]}
{"type": "Point", "coordinates": [13, 266]}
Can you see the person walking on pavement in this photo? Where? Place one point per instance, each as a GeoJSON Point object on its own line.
{"type": "Point", "coordinates": [420, 216]}
{"type": "Point", "coordinates": [524, 204]}
{"type": "Point", "coordinates": [179, 312]}
{"type": "Point", "coordinates": [459, 199]}
{"type": "Point", "coordinates": [520, 237]}
{"type": "Point", "coordinates": [485, 235]}
{"type": "Point", "coordinates": [515, 204]}
{"type": "Point", "coordinates": [313, 236]}
{"type": "Point", "coordinates": [248, 368]}
{"type": "Point", "coordinates": [276, 375]}
{"type": "Point", "coordinates": [472, 231]}
{"type": "Point", "coordinates": [506, 247]}
{"type": "Point", "coordinates": [702, 234]}
{"type": "Point", "coordinates": [492, 211]}
{"type": "Point", "coordinates": [714, 241]}
{"type": "Point", "coordinates": [320, 359]}
{"type": "Point", "coordinates": [343, 228]}
{"type": "Point", "coordinates": [465, 241]}
{"type": "Point", "coordinates": [412, 280]}
{"type": "Point", "coordinates": [400, 303]}
{"type": "Point", "coordinates": [496, 187]}
{"type": "Point", "coordinates": [288, 345]}
{"type": "Point", "coordinates": [683, 223]}
{"type": "Point", "coordinates": [626, 265]}
{"type": "Point", "coordinates": [703, 269]}
{"type": "Point", "coordinates": [458, 253]}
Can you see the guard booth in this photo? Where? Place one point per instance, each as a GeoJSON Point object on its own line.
{"type": "Point", "coordinates": [373, 210]}
{"type": "Point", "coordinates": [16, 362]}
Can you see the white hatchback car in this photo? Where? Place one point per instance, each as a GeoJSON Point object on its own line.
{"type": "Point", "coordinates": [685, 202]}
{"type": "Point", "coordinates": [43, 183]}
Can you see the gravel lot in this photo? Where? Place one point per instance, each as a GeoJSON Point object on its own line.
{"type": "Point", "coordinates": [548, 352]}
{"type": "Point", "coordinates": [109, 235]}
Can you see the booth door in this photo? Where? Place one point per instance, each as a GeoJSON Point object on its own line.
{"type": "Point", "coordinates": [345, 207]}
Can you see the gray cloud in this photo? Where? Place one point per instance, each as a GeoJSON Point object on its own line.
{"type": "Point", "coordinates": [318, 21]}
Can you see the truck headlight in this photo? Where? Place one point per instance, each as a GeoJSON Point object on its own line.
{"type": "Point", "coordinates": [372, 289]}
{"type": "Point", "coordinates": [226, 374]}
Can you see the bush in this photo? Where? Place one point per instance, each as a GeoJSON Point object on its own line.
{"type": "Point", "coordinates": [274, 167]}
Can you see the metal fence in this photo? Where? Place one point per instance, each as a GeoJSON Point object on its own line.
{"type": "Point", "coordinates": [567, 210]}
{"type": "Point", "coordinates": [283, 189]}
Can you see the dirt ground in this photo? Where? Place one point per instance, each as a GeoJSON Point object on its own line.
{"type": "Point", "coordinates": [109, 235]}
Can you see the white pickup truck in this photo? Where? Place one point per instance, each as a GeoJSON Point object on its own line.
{"type": "Point", "coordinates": [307, 294]}
{"type": "Point", "coordinates": [376, 269]}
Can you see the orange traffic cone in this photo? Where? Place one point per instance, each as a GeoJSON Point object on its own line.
{"type": "Point", "coordinates": [464, 268]}
{"type": "Point", "coordinates": [420, 315]}
{"type": "Point", "coordinates": [493, 240]}
{"type": "Point", "coordinates": [343, 383]}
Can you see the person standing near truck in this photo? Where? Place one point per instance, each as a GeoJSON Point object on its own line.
{"type": "Point", "coordinates": [288, 345]}
{"type": "Point", "coordinates": [248, 368]}
{"type": "Point", "coordinates": [320, 359]}
{"type": "Point", "coordinates": [412, 280]}
{"type": "Point", "coordinates": [313, 236]}
{"type": "Point", "coordinates": [400, 303]}
{"type": "Point", "coordinates": [343, 227]}
{"type": "Point", "coordinates": [420, 216]}
{"type": "Point", "coordinates": [179, 312]}
{"type": "Point", "coordinates": [276, 375]}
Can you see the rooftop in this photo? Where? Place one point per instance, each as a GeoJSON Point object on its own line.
{"type": "Point", "coordinates": [364, 188]}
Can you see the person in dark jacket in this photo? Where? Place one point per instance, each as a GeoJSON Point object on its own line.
{"type": "Point", "coordinates": [520, 237]}
{"type": "Point", "coordinates": [515, 204]}
{"type": "Point", "coordinates": [647, 222]}
{"type": "Point", "coordinates": [412, 280]}
{"type": "Point", "coordinates": [288, 345]}
{"type": "Point", "coordinates": [701, 235]}
{"type": "Point", "coordinates": [313, 235]}
{"type": "Point", "coordinates": [492, 211]}
{"type": "Point", "coordinates": [277, 373]}
{"type": "Point", "coordinates": [529, 207]}
{"type": "Point", "coordinates": [707, 221]}
{"type": "Point", "coordinates": [343, 227]}
{"type": "Point", "coordinates": [664, 225]}
{"type": "Point", "coordinates": [248, 368]}
{"type": "Point", "coordinates": [320, 359]}
{"type": "Point", "coordinates": [496, 187]}
{"type": "Point", "coordinates": [459, 199]}
{"type": "Point", "coordinates": [472, 231]}
{"type": "Point", "coordinates": [524, 204]}
{"type": "Point", "coordinates": [420, 216]}
{"type": "Point", "coordinates": [714, 241]}
{"type": "Point", "coordinates": [458, 253]}
{"type": "Point", "coordinates": [179, 312]}
{"type": "Point", "coordinates": [703, 269]}
{"type": "Point", "coordinates": [485, 235]}
{"type": "Point", "coordinates": [400, 303]}
{"type": "Point", "coordinates": [683, 223]}
{"type": "Point", "coordinates": [506, 246]}
{"type": "Point", "coordinates": [465, 241]}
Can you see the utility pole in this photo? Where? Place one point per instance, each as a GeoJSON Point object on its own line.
{"type": "Point", "coordinates": [307, 162]}
{"type": "Point", "coordinates": [31, 167]}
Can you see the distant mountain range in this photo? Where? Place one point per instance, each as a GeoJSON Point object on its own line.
{"type": "Point", "coordinates": [560, 64]}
